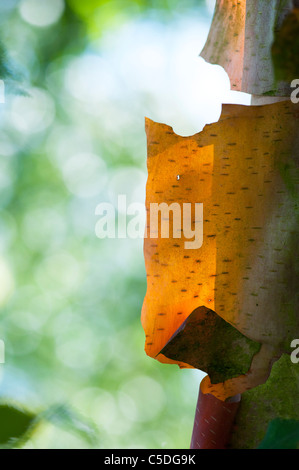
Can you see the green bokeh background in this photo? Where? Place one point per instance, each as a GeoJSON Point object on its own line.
{"type": "Point", "coordinates": [70, 302]}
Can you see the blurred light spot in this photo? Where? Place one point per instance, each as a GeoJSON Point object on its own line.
{"type": "Point", "coordinates": [141, 399]}
{"type": "Point", "coordinates": [7, 178]}
{"type": "Point", "coordinates": [34, 313]}
{"type": "Point", "coordinates": [34, 113]}
{"type": "Point", "coordinates": [21, 343]}
{"type": "Point", "coordinates": [91, 79]}
{"type": "Point", "coordinates": [7, 230]}
{"type": "Point", "coordinates": [41, 12]}
{"type": "Point", "coordinates": [143, 60]}
{"type": "Point", "coordinates": [60, 324]}
{"type": "Point", "coordinates": [6, 282]}
{"type": "Point", "coordinates": [7, 146]}
{"type": "Point", "coordinates": [78, 352]}
{"type": "Point", "coordinates": [101, 406]}
{"type": "Point", "coordinates": [82, 220]}
{"type": "Point", "coordinates": [43, 229]}
{"type": "Point", "coordinates": [85, 174]}
{"type": "Point", "coordinates": [60, 273]}
{"type": "Point", "coordinates": [106, 413]}
{"type": "Point", "coordinates": [161, 65]}
{"type": "Point", "coordinates": [65, 141]}
{"type": "Point", "coordinates": [8, 5]}
{"type": "Point", "coordinates": [128, 181]}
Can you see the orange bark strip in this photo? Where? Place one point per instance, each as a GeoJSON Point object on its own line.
{"type": "Point", "coordinates": [245, 171]}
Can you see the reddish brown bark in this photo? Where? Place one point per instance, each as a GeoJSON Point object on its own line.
{"type": "Point", "coordinates": [213, 421]}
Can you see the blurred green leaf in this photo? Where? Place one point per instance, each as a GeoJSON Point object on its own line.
{"type": "Point", "coordinates": [70, 420]}
{"type": "Point", "coordinates": [15, 422]}
{"type": "Point", "coordinates": [281, 434]}
{"type": "Point", "coordinates": [18, 425]}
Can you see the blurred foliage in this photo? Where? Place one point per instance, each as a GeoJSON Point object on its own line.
{"type": "Point", "coordinates": [72, 136]}
{"type": "Point", "coordinates": [281, 434]}
{"type": "Point", "coordinates": [19, 425]}
{"type": "Point", "coordinates": [110, 14]}
{"type": "Point", "coordinates": [10, 73]}
{"type": "Point", "coordinates": [16, 421]}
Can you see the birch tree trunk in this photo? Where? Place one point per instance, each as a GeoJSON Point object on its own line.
{"type": "Point", "coordinates": [241, 40]}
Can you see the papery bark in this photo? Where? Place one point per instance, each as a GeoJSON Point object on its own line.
{"type": "Point", "coordinates": [240, 40]}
